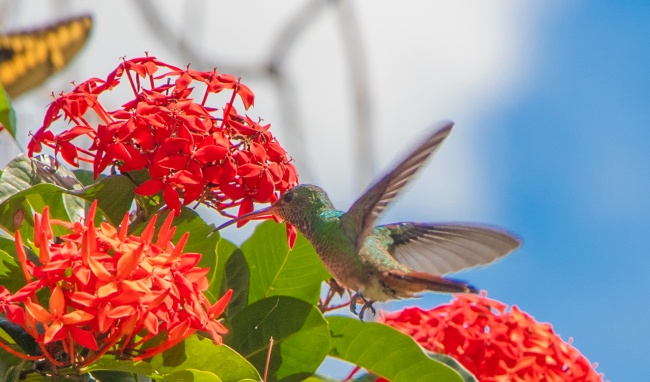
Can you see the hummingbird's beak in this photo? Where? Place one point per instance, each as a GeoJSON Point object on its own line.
{"type": "Point", "coordinates": [248, 216]}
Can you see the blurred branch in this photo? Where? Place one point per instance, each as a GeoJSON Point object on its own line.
{"type": "Point", "coordinates": [289, 105]}
{"type": "Point", "coordinates": [358, 72]}
{"type": "Point", "coordinates": [156, 21]}
{"type": "Point", "coordinates": [298, 23]}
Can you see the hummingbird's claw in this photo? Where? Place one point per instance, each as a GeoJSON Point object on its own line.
{"type": "Point", "coordinates": [367, 304]}
{"type": "Point", "coordinates": [353, 303]}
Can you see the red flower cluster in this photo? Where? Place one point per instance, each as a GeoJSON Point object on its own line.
{"type": "Point", "coordinates": [109, 292]}
{"type": "Point", "coordinates": [190, 153]}
{"type": "Point", "coordinates": [493, 344]}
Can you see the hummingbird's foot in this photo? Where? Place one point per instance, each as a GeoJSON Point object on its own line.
{"type": "Point", "coordinates": [367, 304]}
{"type": "Point", "coordinates": [336, 287]}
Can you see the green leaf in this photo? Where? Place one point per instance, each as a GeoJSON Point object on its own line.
{"type": "Point", "coordinates": [275, 270]}
{"type": "Point", "coordinates": [19, 174]}
{"type": "Point", "coordinates": [13, 374]}
{"type": "Point", "coordinates": [224, 250]}
{"type": "Point", "coordinates": [447, 360]}
{"type": "Point", "coordinates": [11, 275]}
{"type": "Point", "coordinates": [118, 376]}
{"type": "Point", "coordinates": [7, 113]}
{"type": "Point", "coordinates": [22, 194]}
{"type": "Point", "coordinates": [385, 351]}
{"type": "Point", "coordinates": [190, 375]}
{"type": "Point", "coordinates": [22, 172]}
{"type": "Point", "coordinates": [20, 337]}
{"type": "Point", "coordinates": [8, 360]}
{"type": "Point", "coordinates": [110, 363]}
{"type": "Point", "coordinates": [114, 195]}
{"type": "Point", "coordinates": [202, 354]}
{"type": "Point", "coordinates": [86, 177]}
{"type": "Point", "coordinates": [231, 273]}
{"type": "Point", "coordinates": [20, 208]}
{"type": "Point", "coordinates": [301, 337]}
{"type": "Point", "coordinates": [49, 171]}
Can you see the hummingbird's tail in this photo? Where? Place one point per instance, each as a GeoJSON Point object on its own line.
{"type": "Point", "coordinates": [419, 281]}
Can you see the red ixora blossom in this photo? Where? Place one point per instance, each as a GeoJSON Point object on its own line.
{"type": "Point", "coordinates": [109, 292]}
{"type": "Point", "coordinates": [191, 151]}
{"type": "Point", "coordinates": [493, 344]}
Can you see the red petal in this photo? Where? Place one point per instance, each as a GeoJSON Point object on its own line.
{"type": "Point", "coordinates": [259, 152]}
{"type": "Point", "coordinates": [292, 234]}
{"type": "Point", "coordinates": [247, 96]}
{"type": "Point", "coordinates": [265, 188]}
{"type": "Point", "coordinates": [150, 187]}
{"type": "Point", "coordinates": [245, 207]}
{"type": "Point", "coordinates": [176, 162]}
{"type": "Point", "coordinates": [74, 132]}
{"type": "Point", "coordinates": [220, 306]}
{"type": "Point", "coordinates": [183, 81]}
{"type": "Point", "coordinates": [151, 323]}
{"type": "Point", "coordinates": [233, 191]}
{"type": "Point", "coordinates": [210, 154]}
{"type": "Point", "coordinates": [211, 174]}
{"type": "Point", "coordinates": [249, 170]}
{"type": "Point", "coordinates": [172, 200]}
{"type": "Point", "coordinates": [84, 338]}
{"type": "Point", "coordinates": [229, 171]}
{"type": "Point", "coordinates": [69, 153]}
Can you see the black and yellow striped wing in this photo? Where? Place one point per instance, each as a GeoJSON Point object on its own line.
{"type": "Point", "coordinates": [28, 58]}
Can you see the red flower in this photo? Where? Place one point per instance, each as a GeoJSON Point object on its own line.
{"type": "Point", "coordinates": [58, 322]}
{"type": "Point", "coordinates": [110, 292]}
{"type": "Point", "coordinates": [493, 344]}
{"type": "Point", "coordinates": [191, 151]}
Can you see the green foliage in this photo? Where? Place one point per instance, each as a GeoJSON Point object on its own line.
{"type": "Point", "coordinates": [20, 337]}
{"type": "Point", "coordinates": [192, 375]}
{"type": "Point", "coordinates": [231, 273]}
{"type": "Point", "coordinates": [22, 193]}
{"type": "Point", "coordinates": [275, 295]}
{"type": "Point", "coordinates": [7, 113]}
{"type": "Point", "coordinates": [384, 351]}
{"type": "Point", "coordinates": [195, 353]}
{"type": "Point", "coordinates": [11, 275]}
{"type": "Point", "coordinates": [277, 271]}
{"type": "Point", "coordinates": [300, 334]}
{"type": "Point", "coordinates": [202, 354]}
{"type": "Point", "coordinates": [447, 360]}
{"type": "Point", "coordinates": [109, 363]}
{"type": "Point", "coordinates": [12, 374]}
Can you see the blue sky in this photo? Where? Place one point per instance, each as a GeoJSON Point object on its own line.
{"type": "Point", "coordinates": [552, 141]}
{"type": "Point", "coordinates": [577, 174]}
{"type": "Point", "coordinates": [573, 167]}
{"type": "Point", "coordinates": [581, 180]}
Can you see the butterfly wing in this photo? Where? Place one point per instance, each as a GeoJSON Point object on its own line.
{"type": "Point", "coordinates": [28, 58]}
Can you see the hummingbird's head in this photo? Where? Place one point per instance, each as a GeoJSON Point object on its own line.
{"type": "Point", "coordinates": [294, 206]}
{"type": "Point", "coordinates": [301, 200]}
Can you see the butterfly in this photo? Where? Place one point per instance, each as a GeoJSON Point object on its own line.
{"type": "Point", "coordinates": [28, 58]}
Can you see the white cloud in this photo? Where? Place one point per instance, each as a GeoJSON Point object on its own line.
{"type": "Point", "coordinates": [426, 61]}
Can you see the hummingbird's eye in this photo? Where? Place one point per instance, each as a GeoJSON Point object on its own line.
{"type": "Point", "coordinates": [287, 197]}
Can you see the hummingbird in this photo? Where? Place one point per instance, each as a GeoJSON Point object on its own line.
{"type": "Point", "coordinates": [391, 261]}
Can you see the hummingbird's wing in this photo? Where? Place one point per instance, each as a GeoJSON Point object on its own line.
{"type": "Point", "coordinates": [360, 219]}
{"type": "Point", "coordinates": [444, 248]}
